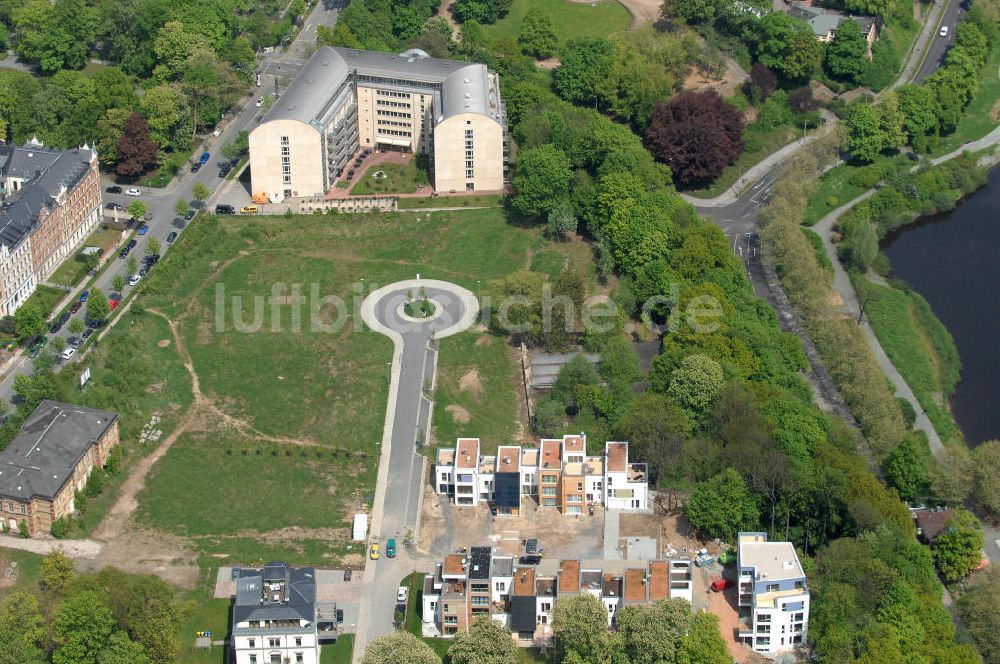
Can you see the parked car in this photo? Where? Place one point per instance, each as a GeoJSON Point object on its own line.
{"type": "Point", "coordinates": [721, 584]}
{"type": "Point", "coordinates": [143, 270]}
{"type": "Point", "coordinates": [75, 308]}
{"type": "Point", "coordinates": [86, 333]}
{"type": "Point", "coordinates": [132, 191]}
{"type": "Point", "coordinates": [112, 304]}
{"type": "Point", "coordinates": [151, 259]}
{"type": "Point", "coordinates": [189, 215]}
{"type": "Point", "coordinates": [260, 102]}
{"type": "Point", "coordinates": [248, 209]}
{"type": "Point", "coordinates": [124, 252]}
{"type": "Point", "coordinates": [171, 237]}
{"type": "Point", "coordinates": [944, 31]}
{"type": "Point", "coordinates": [225, 209]}
{"type": "Point", "coordinates": [224, 171]}
{"type": "Point", "coordinates": [374, 551]}
{"type": "Point", "coordinates": [530, 560]}
{"type": "Point", "coordinates": [83, 296]}
{"type": "Point", "coordinates": [390, 548]}
{"type": "Point", "coordinates": [347, 574]}
{"type": "Point", "coordinates": [114, 206]}
{"type": "Point", "coordinates": [205, 156]}
{"type": "Point", "coordinates": [55, 327]}
{"type": "Point", "coordinates": [115, 189]}
{"type": "Point", "coordinates": [143, 229]}
{"type": "Point", "coordinates": [131, 244]}
{"type": "Point", "coordinates": [134, 279]}
{"type": "Point", "coordinates": [195, 167]}
{"type": "Point", "coordinates": [67, 353]}
{"type": "Point", "coordinates": [74, 342]}
{"type": "Point", "coordinates": [531, 547]}
{"type": "Point", "coordinates": [340, 616]}
{"type": "Point", "coordinates": [402, 594]}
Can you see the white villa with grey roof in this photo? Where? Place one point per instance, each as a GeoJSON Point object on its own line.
{"type": "Point", "coordinates": [347, 100]}
{"type": "Point", "coordinates": [773, 595]}
{"type": "Point", "coordinates": [276, 618]}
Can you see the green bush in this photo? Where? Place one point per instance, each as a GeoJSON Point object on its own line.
{"type": "Point", "coordinates": [22, 530]}
{"type": "Point", "coordinates": [61, 527]}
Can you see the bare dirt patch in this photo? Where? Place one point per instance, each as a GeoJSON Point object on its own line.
{"type": "Point", "coordinates": [472, 383]}
{"type": "Point", "coordinates": [484, 340]}
{"type": "Point", "coordinates": [726, 85]}
{"type": "Point", "coordinates": [154, 388]}
{"type": "Point", "coordinates": [548, 63]}
{"type": "Point", "coordinates": [143, 551]}
{"type": "Point", "coordinates": [458, 413]}
{"type": "Point", "coordinates": [163, 343]}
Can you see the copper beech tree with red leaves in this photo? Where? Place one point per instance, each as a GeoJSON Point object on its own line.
{"type": "Point", "coordinates": [136, 152]}
{"type": "Point", "coordinates": [697, 134]}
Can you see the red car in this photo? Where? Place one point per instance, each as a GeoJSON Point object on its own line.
{"type": "Point", "coordinates": [113, 303]}
{"type": "Point", "coordinates": [720, 585]}
{"type": "Point", "coordinates": [75, 308]}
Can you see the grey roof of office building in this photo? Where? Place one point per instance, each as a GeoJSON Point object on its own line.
{"type": "Point", "coordinates": [47, 171]}
{"type": "Point", "coordinates": [316, 84]}
{"type": "Point", "coordinates": [41, 458]}
{"type": "Point", "coordinates": [300, 592]}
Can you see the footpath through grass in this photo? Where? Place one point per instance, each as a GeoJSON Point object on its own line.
{"type": "Point", "coordinates": [599, 18]}
{"type": "Point", "coordinates": [918, 344]}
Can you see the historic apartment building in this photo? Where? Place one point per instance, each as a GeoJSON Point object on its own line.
{"type": "Point", "coordinates": [484, 584]}
{"type": "Point", "coordinates": [51, 459]}
{"type": "Point", "coordinates": [347, 100]}
{"type": "Point", "coordinates": [51, 204]}
{"type": "Point", "coordinates": [557, 474]}
{"type": "Point", "coordinates": [773, 595]}
{"type": "Point", "coordinates": [276, 618]}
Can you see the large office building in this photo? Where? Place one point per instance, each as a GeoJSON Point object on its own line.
{"type": "Point", "coordinates": [51, 204]}
{"type": "Point", "coordinates": [773, 595]}
{"type": "Point", "coordinates": [345, 101]}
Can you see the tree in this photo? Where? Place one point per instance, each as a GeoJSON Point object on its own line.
{"type": "Point", "coordinates": [703, 642]}
{"type": "Point", "coordinates": [136, 151]}
{"type": "Point", "coordinates": [399, 647]}
{"type": "Point", "coordinates": [542, 180]}
{"type": "Point", "coordinates": [860, 243]}
{"type": "Point", "coordinates": [486, 642]}
{"type": "Point", "coordinates": [137, 209]}
{"type": "Point", "coordinates": [122, 650]}
{"type": "Point", "coordinates": [562, 221]}
{"type": "Point", "coordinates": [118, 283]}
{"type": "Point", "coordinates": [538, 37]}
{"type": "Point", "coordinates": [133, 265]}
{"type": "Point", "coordinates": [82, 628]}
{"type": "Point", "coordinates": [695, 384]}
{"type": "Point", "coordinates": [584, 73]}
{"type": "Point", "coordinates": [550, 418]}
{"type": "Point", "coordinates": [986, 476]}
{"type": "Point", "coordinates": [656, 428]}
{"type": "Point", "coordinates": [181, 207]}
{"type": "Point", "coordinates": [697, 134]}
{"type": "Point", "coordinates": [238, 147]}
{"type": "Point", "coordinates": [57, 571]}
{"type": "Point", "coordinates": [29, 320]}
{"type": "Point", "coordinates": [54, 36]}
{"type": "Point", "coordinates": [762, 82]}
{"type": "Point", "coordinates": [723, 506]}
{"type": "Point", "coordinates": [958, 550]}
{"type": "Point", "coordinates": [57, 345]}
{"type": "Point", "coordinates": [787, 46]}
{"type": "Point", "coordinates": [110, 129]}
{"type": "Point", "coordinates": [153, 247]}
{"type": "Point", "coordinates": [200, 192]}
{"type": "Point", "coordinates": [97, 306]}
{"type": "Point", "coordinates": [920, 111]}
{"type": "Point", "coordinates": [979, 608]}
{"type": "Point", "coordinates": [801, 100]}
{"type": "Point", "coordinates": [580, 623]}
{"type": "Point", "coordinates": [845, 56]}
{"type": "Point", "coordinates": [483, 11]}
{"type": "Point", "coordinates": [906, 468]}
{"type": "Point", "coordinates": [22, 628]}
{"type": "Point", "coordinates": [865, 139]}
{"type": "Point", "coordinates": [651, 635]}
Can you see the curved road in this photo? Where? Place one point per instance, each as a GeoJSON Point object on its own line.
{"type": "Point", "coordinates": [396, 509]}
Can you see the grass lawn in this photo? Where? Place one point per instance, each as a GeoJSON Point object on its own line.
{"type": "Point", "coordinates": [399, 179]}
{"type": "Point", "coordinates": [46, 297]}
{"type": "Point", "coordinates": [477, 391]}
{"type": "Point", "coordinates": [73, 269]}
{"type": "Point", "coordinates": [919, 346]}
{"type": "Point", "coordinates": [204, 614]}
{"type": "Point", "coordinates": [836, 186]}
{"type": "Point", "coordinates": [184, 493]}
{"type": "Point", "coordinates": [308, 389]}
{"type": "Point", "coordinates": [473, 200]}
{"type": "Point", "coordinates": [569, 19]}
{"type": "Point", "coordinates": [338, 652]}
{"type": "Point", "coordinates": [26, 566]}
{"type": "Point", "coordinates": [760, 144]}
{"type": "Point", "coordinates": [976, 122]}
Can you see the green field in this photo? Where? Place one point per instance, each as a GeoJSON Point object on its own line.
{"type": "Point", "coordinates": [919, 346]}
{"type": "Point", "coordinates": [338, 652]}
{"type": "Point", "coordinates": [569, 19]}
{"type": "Point", "coordinates": [470, 201]}
{"type": "Point", "coordinates": [204, 614]}
{"type": "Point", "coordinates": [399, 179]}
{"type": "Point", "coordinates": [281, 448]}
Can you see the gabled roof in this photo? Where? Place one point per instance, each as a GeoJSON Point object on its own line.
{"type": "Point", "coordinates": [44, 454]}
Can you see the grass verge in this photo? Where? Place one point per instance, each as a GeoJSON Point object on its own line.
{"type": "Point", "coordinates": [976, 121]}
{"type": "Point", "coordinates": [599, 18]}
{"type": "Point", "coordinates": [470, 201]}
{"type": "Point", "coordinates": [760, 144]}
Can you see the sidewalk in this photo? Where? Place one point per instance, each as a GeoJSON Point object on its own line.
{"type": "Point", "coordinates": [72, 548]}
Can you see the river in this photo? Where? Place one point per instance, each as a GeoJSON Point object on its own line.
{"type": "Point", "coordinates": [953, 260]}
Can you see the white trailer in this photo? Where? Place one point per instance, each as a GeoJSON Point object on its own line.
{"type": "Point", "coordinates": [360, 527]}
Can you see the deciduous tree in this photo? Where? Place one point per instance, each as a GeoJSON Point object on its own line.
{"type": "Point", "coordinates": [723, 506]}
{"type": "Point", "coordinates": [538, 36]}
{"type": "Point", "coordinates": [541, 181]}
{"type": "Point", "coordinates": [97, 305]}
{"type": "Point", "coordinates": [82, 628]}
{"type": "Point", "coordinates": [135, 150]}
{"type": "Point", "coordinates": [958, 550]}
{"type": "Point", "coordinates": [580, 623]}
{"type": "Point", "coordinates": [399, 647]}
{"type": "Point", "coordinates": [486, 642]}
{"type": "Point", "coordinates": [986, 476]}
{"type": "Point", "coordinates": [29, 320]}
{"type": "Point", "coordinates": [695, 384]}
{"type": "Point", "coordinates": [584, 73]}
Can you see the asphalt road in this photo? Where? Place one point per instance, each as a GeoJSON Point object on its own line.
{"type": "Point", "coordinates": [401, 498]}
{"type": "Point", "coordinates": [938, 45]}
{"type": "Point", "coordinates": [161, 202]}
